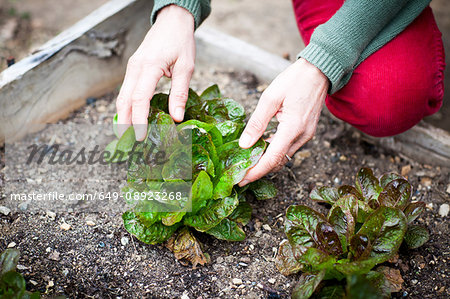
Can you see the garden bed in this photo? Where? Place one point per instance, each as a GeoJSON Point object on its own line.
{"type": "Point", "coordinates": [96, 257]}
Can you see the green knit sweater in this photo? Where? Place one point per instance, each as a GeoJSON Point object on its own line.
{"type": "Point", "coordinates": [337, 47]}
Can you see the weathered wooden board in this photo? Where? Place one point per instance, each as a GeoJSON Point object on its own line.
{"type": "Point", "coordinates": [86, 60]}
{"type": "Point", "coordinates": [89, 59]}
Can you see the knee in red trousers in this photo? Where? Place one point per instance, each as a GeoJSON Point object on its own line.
{"type": "Point", "coordinates": [395, 87]}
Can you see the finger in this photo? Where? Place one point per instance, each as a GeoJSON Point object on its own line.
{"type": "Point", "coordinates": [140, 98]}
{"type": "Point", "coordinates": [123, 102]}
{"type": "Point", "coordinates": [257, 124]}
{"type": "Point", "coordinates": [179, 90]}
{"type": "Point", "coordinates": [275, 154]}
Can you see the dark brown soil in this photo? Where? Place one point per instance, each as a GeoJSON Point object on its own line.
{"type": "Point", "coordinates": [90, 261]}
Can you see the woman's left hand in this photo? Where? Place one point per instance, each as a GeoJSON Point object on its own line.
{"type": "Point", "coordinates": [295, 97]}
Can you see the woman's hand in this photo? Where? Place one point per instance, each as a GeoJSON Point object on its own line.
{"type": "Point", "coordinates": [168, 50]}
{"type": "Point", "coordinates": [295, 97]}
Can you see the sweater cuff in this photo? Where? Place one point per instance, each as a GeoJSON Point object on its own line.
{"type": "Point", "coordinates": [325, 62]}
{"type": "Point", "coordinates": [192, 6]}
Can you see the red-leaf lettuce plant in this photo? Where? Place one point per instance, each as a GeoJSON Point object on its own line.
{"type": "Point", "coordinates": [218, 205]}
{"type": "Point", "coordinates": [364, 227]}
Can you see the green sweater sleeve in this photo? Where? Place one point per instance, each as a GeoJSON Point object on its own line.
{"type": "Point", "coordinates": [358, 29]}
{"type": "Point", "coordinates": [200, 9]}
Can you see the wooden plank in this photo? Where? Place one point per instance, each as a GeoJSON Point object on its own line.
{"type": "Point", "coordinates": [222, 49]}
{"type": "Point", "coordinates": [86, 60]}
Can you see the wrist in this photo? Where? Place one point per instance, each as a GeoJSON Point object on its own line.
{"type": "Point", "coordinates": [314, 72]}
{"type": "Point", "coordinates": [173, 13]}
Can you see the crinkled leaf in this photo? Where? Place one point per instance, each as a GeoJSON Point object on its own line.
{"type": "Point", "coordinates": [227, 230]}
{"type": "Point", "coordinates": [306, 228]}
{"type": "Point", "coordinates": [413, 210]}
{"type": "Point", "coordinates": [396, 194]}
{"type": "Point", "coordinates": [201, 161]}
{"type": "Point", "coordinates": [193, 99]}
{"type": "Point", "coordinates": [285, 261]}
{"type": "Point", "coordinates": [325, 194]}
{"type": "Point", "coordinates": [9, 260]}
{"type": "Point", "coordinates": [171, 218]}
{"type": "Point", "coordinates": [347, 190]}
{"type": "Point", "coordinates": [364, 210]}
{"type": "Point", "coordinates": [242, 213]}
{"type": "Point", "coordinates": [300, 227]}
{"type": "Point", "coordinates": [367, 184]}
{"type": "Point", "coordinates": [328, 239]}
{"type": "Point", "coordinates": [307, 284]}
{"type": "Point", "coordinates": [342, 216]}
{"type": "Point", "coordinates": [211, 215]}
{"type": "Point", "coordinates": [161, 102]}
{"type": "Point", "coordinates": [153, 234]}
{"type": "Point", "coordinates": [178, 166]}
{"type": "Point", "coordinates": [234, 164]}
{"type": "Point", "coordinates": [211, 129]}
{"type": "Point", "coordinates": [416, 236]}
{"type": "Point", "coordinates": [230, 130]}
{"type": "Point", "coordinates": [389, 177]}
{"type": "Point", "coordinates": [384, 230]}
{"type": "Point", "coordinates": [186, 248]}
{"type": "Point", "coordinates": [211, 92]}
{"type": "Point", "coordinates": [263, 189]}
{"type": "Point", "coordinates": [315, 260]}
{"type": "Point", "coordinates": [202, 190]}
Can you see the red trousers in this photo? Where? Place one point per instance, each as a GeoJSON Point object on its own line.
{"type": "Point", "coordinates": [395, 87]}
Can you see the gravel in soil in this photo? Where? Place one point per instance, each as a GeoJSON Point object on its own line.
{"type": "Point", "coordinates": [83, 254]}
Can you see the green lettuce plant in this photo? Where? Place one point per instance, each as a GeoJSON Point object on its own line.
{"type": "Point", "coordinates": [364, 227]}
{"type": "Point", "coordinates": [217, 206]}
{"type": "Point", "coordinates": [12, 283]}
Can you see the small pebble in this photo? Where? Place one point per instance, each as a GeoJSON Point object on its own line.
{"type": "Point", "coordinates": [23, 206]}
{"type": "Point", "coordinates": [101, 108]}
{"type": "Point", "coordinates": [414, 281]}
{"type": "Point", "coordinates": [4, 210]}
{"type": "Point", "coordinates": [343, 158]}
{"type": "Point", "coordinates": [12, 244]}
{"type": "Point", "coordinates": [448, 189]}
{"type": "Point", "coordinates": [51, 215]}
{"type": "Point", "coordinates": [243, 264]}
{"type": "Point", "coordinates": [50, 284]}
{"type": "Point", "coordinates": [21, 267]}
{"type": "Point", "coordinates": [101, 244]}
{"type": "Point", "coordinates": [219, 260]}
{"type": "Point", "coordinates": [33, 282]}
{"type": "Point", "coordinates": [258, 234]}
{"type": "Point", "coordinates": [236, 281]}
{"type": "Point", "coordinates": [444, 209]}
{"type": "Point", "coordinates": [48, 249]}
{"type": "Point", "coordinates": [65, 272]}
{"type": "Point", "coordinates": [54, 256]}
{"type": "Point", "coordinates": [271, 281]}
{"type": "Point", "coordinates": [90, 222]}
{"type": "Point", "coordinates": [267, 227]}
{"type": "Point", "coordinates": [65, 226]}
{"type": "Point", "coordinates": [124, 241]}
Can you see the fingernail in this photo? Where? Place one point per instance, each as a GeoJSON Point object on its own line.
{"type": "Point", "coordinates": [243, 183]}
{"type": "Point", "coordinates": [245, 140]}
{"type": "Point", "coordinates": [179, 113]}
{"type": "Point", "coordinates": [140, 132]}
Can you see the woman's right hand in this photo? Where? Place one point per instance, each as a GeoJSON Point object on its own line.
{"type": "Point", "coordinates": [168, 50]}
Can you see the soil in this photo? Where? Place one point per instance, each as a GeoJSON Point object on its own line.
{"type": "Point", "coordinates": [97, 258]}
